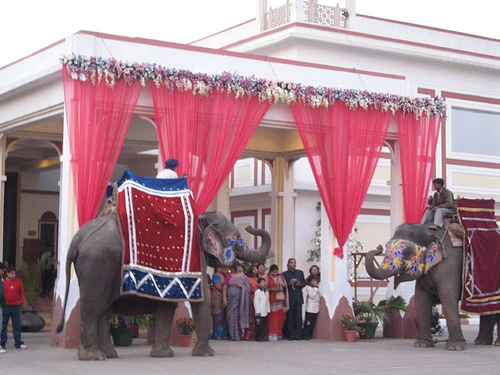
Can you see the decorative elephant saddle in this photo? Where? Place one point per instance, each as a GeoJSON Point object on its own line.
{"type": "Point", "coordinates": [161, 251]}
{"type": "Point", "coordinates": [421, 261]}
{"type": "Point", "coordinates": [481, 273]}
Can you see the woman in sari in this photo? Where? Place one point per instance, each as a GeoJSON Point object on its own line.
{"type": "Point", "coordinates": [219, 317]}
{"type": "Point", "coordinates": [278, 299]}
{"type": "Point", "coordinates": [252, 274]}
{"type": "Point", "coordinates": [236, 298]}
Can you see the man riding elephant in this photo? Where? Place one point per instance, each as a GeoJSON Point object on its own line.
{"type": "Point", "coordinates": [442, 204]}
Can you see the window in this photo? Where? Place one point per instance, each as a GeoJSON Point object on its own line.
{"type": "Point", "coordinates": [475, 132]}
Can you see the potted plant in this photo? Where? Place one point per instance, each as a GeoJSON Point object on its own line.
{"type": "Point", "coordinates": [186, 329]}
{"type": "Point", "coordinates": [369, 315]}
{"type": "Point", "coordinates": [349, 324]}
{"type": "Point", "coordinates": [122, 328]}
{"type": "Point", "coordinates": [29, 274]}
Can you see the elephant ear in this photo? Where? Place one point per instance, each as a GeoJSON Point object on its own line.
{"type": "Point", "coordinates": [218, 246]}
{"type": "Point", "coordinates": [434, 254]}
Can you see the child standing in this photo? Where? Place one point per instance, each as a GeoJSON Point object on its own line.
{"type": "Point", "coordinates": [313, 297]}
{"type": "Point", "coordinates": [14, 296]}
{"type": "Point", "coordinates": [262, 308]}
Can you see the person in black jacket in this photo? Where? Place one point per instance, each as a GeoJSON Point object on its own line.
{"type": "Point", "coordinates": [295, 280]}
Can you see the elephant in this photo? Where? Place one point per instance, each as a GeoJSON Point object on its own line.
{"type": "Point", "coordinates": [438, 281]}
{"type": "Point", "coordinates": [416, 252]}
{"type": "Point", "coordinates": [96, 252]}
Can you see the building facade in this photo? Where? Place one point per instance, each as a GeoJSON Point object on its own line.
{"type": "Point", "coordinates": [272, 185]}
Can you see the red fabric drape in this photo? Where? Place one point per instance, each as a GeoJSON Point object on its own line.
{"type": "Point", "coordinates": [343, 147]}
{"type": "Point", "coordinates": [418, 141]}
{"type": "Point", "coordinates": [205, 134]}
{"type": "Point", "coordinates": [98, 118]}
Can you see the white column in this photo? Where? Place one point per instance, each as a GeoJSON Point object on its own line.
{"type": "Point", "coordinates": [261, 16]}
{"type": "Point", "coordinates": [283, 212]}
{"type": "Point", "coordinates": [297, 11]}
{"type": "Point", "coordinates": [68, 225]}
{"type": "Point", "coordinates": [406, 289]}
{"type": "Point", "coordinates": [288, 197]}
{"type": "Point", "coordinates": [334, 271]}
{"type": "Point", "coordinates": [221, 200]}
{"type": "Point", "coordinates": [3, 178]}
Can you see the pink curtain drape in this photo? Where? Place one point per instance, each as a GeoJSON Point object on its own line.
{"type": "Point", "coordinates": [417, 141]}
{"type": "Point", "coordinates": [343, 147]}
{"type": "Point", "coordinates": [205, 134]}
{"type": "Point", "coordinates": [98, 118]}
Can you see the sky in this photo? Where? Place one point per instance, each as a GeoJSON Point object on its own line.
{"type": "Point", "coordinates": [29, 25]}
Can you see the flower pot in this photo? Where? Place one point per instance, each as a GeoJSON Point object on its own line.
{"type": "Point", "coordinates": [350, 335]}
{"type": "Point", "coordinates": [367, 330]}
{"type": "Point", "coordinates": [186, 340]}
{"type": "Point", "coordinates": [122, 336]}
{"type": "Point", "coordinates": [31, 321]}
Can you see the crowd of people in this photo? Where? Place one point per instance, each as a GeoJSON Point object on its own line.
{"type": "Point", "coordinates": [260, 306]}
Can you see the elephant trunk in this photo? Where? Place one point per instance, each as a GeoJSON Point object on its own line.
{"type": "Point", "coordinates": [245, 253]}
{"type": "Point", "coordinates": [374, 271]}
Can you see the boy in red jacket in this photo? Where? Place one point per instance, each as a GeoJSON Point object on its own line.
{"type": "Point", "coordinates": [14, 297]}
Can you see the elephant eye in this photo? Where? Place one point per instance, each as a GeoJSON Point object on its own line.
{"type": "Point", "coordinates": [407, 251]}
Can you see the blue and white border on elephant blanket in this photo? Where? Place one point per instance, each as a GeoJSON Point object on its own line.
{"type": "Point", "coordinates": [170, 287]}
{"type": "Point", "coordinates": [161, 251]}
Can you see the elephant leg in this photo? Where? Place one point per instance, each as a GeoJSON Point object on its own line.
{"type": "Point", "coordinates": [104, 338]}
{"type": "Point", "coordinates": [163, 325]}
{"type": "Point", "coordinates": [202, 317]}
{"type": "Point", "coordinates": [485, 335]}
{"type": "Point", "coordinates": [89, 349]}
{"type": "Point", "coordinates": [449, 301]}
{"type": "Point", "coordinates": [424, 310]}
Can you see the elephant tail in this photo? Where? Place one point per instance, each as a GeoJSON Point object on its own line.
{"type": "Point", "coordinates": [72, 255]}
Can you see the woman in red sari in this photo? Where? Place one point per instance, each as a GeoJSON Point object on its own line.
{"type": "Point", "coordinates": [252, 274]}
{"type": "Point", "coordinates": [278, 299]}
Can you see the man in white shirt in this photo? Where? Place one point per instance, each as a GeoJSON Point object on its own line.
{"type": "Point", "coordinates": [169, 171]}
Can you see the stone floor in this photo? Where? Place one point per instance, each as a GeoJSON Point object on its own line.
{"type": "Point", "coordinates": [378, 356]}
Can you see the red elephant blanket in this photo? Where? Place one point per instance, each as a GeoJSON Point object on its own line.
{"type": "Point", "coordinates": [161, 251]}
{"type": "Point", "coordinates": [481, 275]}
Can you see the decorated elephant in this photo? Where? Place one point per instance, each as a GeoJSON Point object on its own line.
{"type": "Point", "coordinates": [417, 253]}
{"type": "Point", "coordinates": [96, 252]}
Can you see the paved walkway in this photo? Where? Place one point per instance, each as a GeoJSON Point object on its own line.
{"type": "Point", "coordinates": [379, 356]}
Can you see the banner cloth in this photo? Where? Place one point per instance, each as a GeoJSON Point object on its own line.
{"type": "Point", "coordinates": [161, 251]}
{"type": "Point", "coordinates": [481, 275]}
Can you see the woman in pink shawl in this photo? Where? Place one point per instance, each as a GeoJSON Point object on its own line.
{"type": "Point", "coordinates": [236, 296]}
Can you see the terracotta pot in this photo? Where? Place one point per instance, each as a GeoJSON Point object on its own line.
{"type": "Point", "coordinates": [186, 340]}
{"type": "Point", "coordinates": [350, 336]}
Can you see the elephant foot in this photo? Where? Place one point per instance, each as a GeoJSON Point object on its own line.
{"type": "Point", "coordinates": [90, 354]}
{"type": "Point", "coordinates": [497, 342]}
{"type": "Point", "coordinates": [424, 343]}
{"type": "Point", "coordinates": [456, 344]}
{"type": "Point", "coordinates": [202, 350]}
{"type": "Point", "coordinates": [110, 352]}
{"type": "Point", "coordinates": [161, 352]}
{"type": "Point", "coordinates": [482, 340]}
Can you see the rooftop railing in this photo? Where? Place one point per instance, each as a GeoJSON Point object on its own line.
{"type": "Point", "coordinates": [305, 11]}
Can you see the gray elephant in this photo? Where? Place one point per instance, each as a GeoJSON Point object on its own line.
{"type": "Point", "coordinates": [96, 251]}
{"type": "Point", "coordinates": [417, 253]}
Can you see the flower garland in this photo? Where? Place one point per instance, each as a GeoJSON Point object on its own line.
{"type": "Point", "coordinates": [95, 69]}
